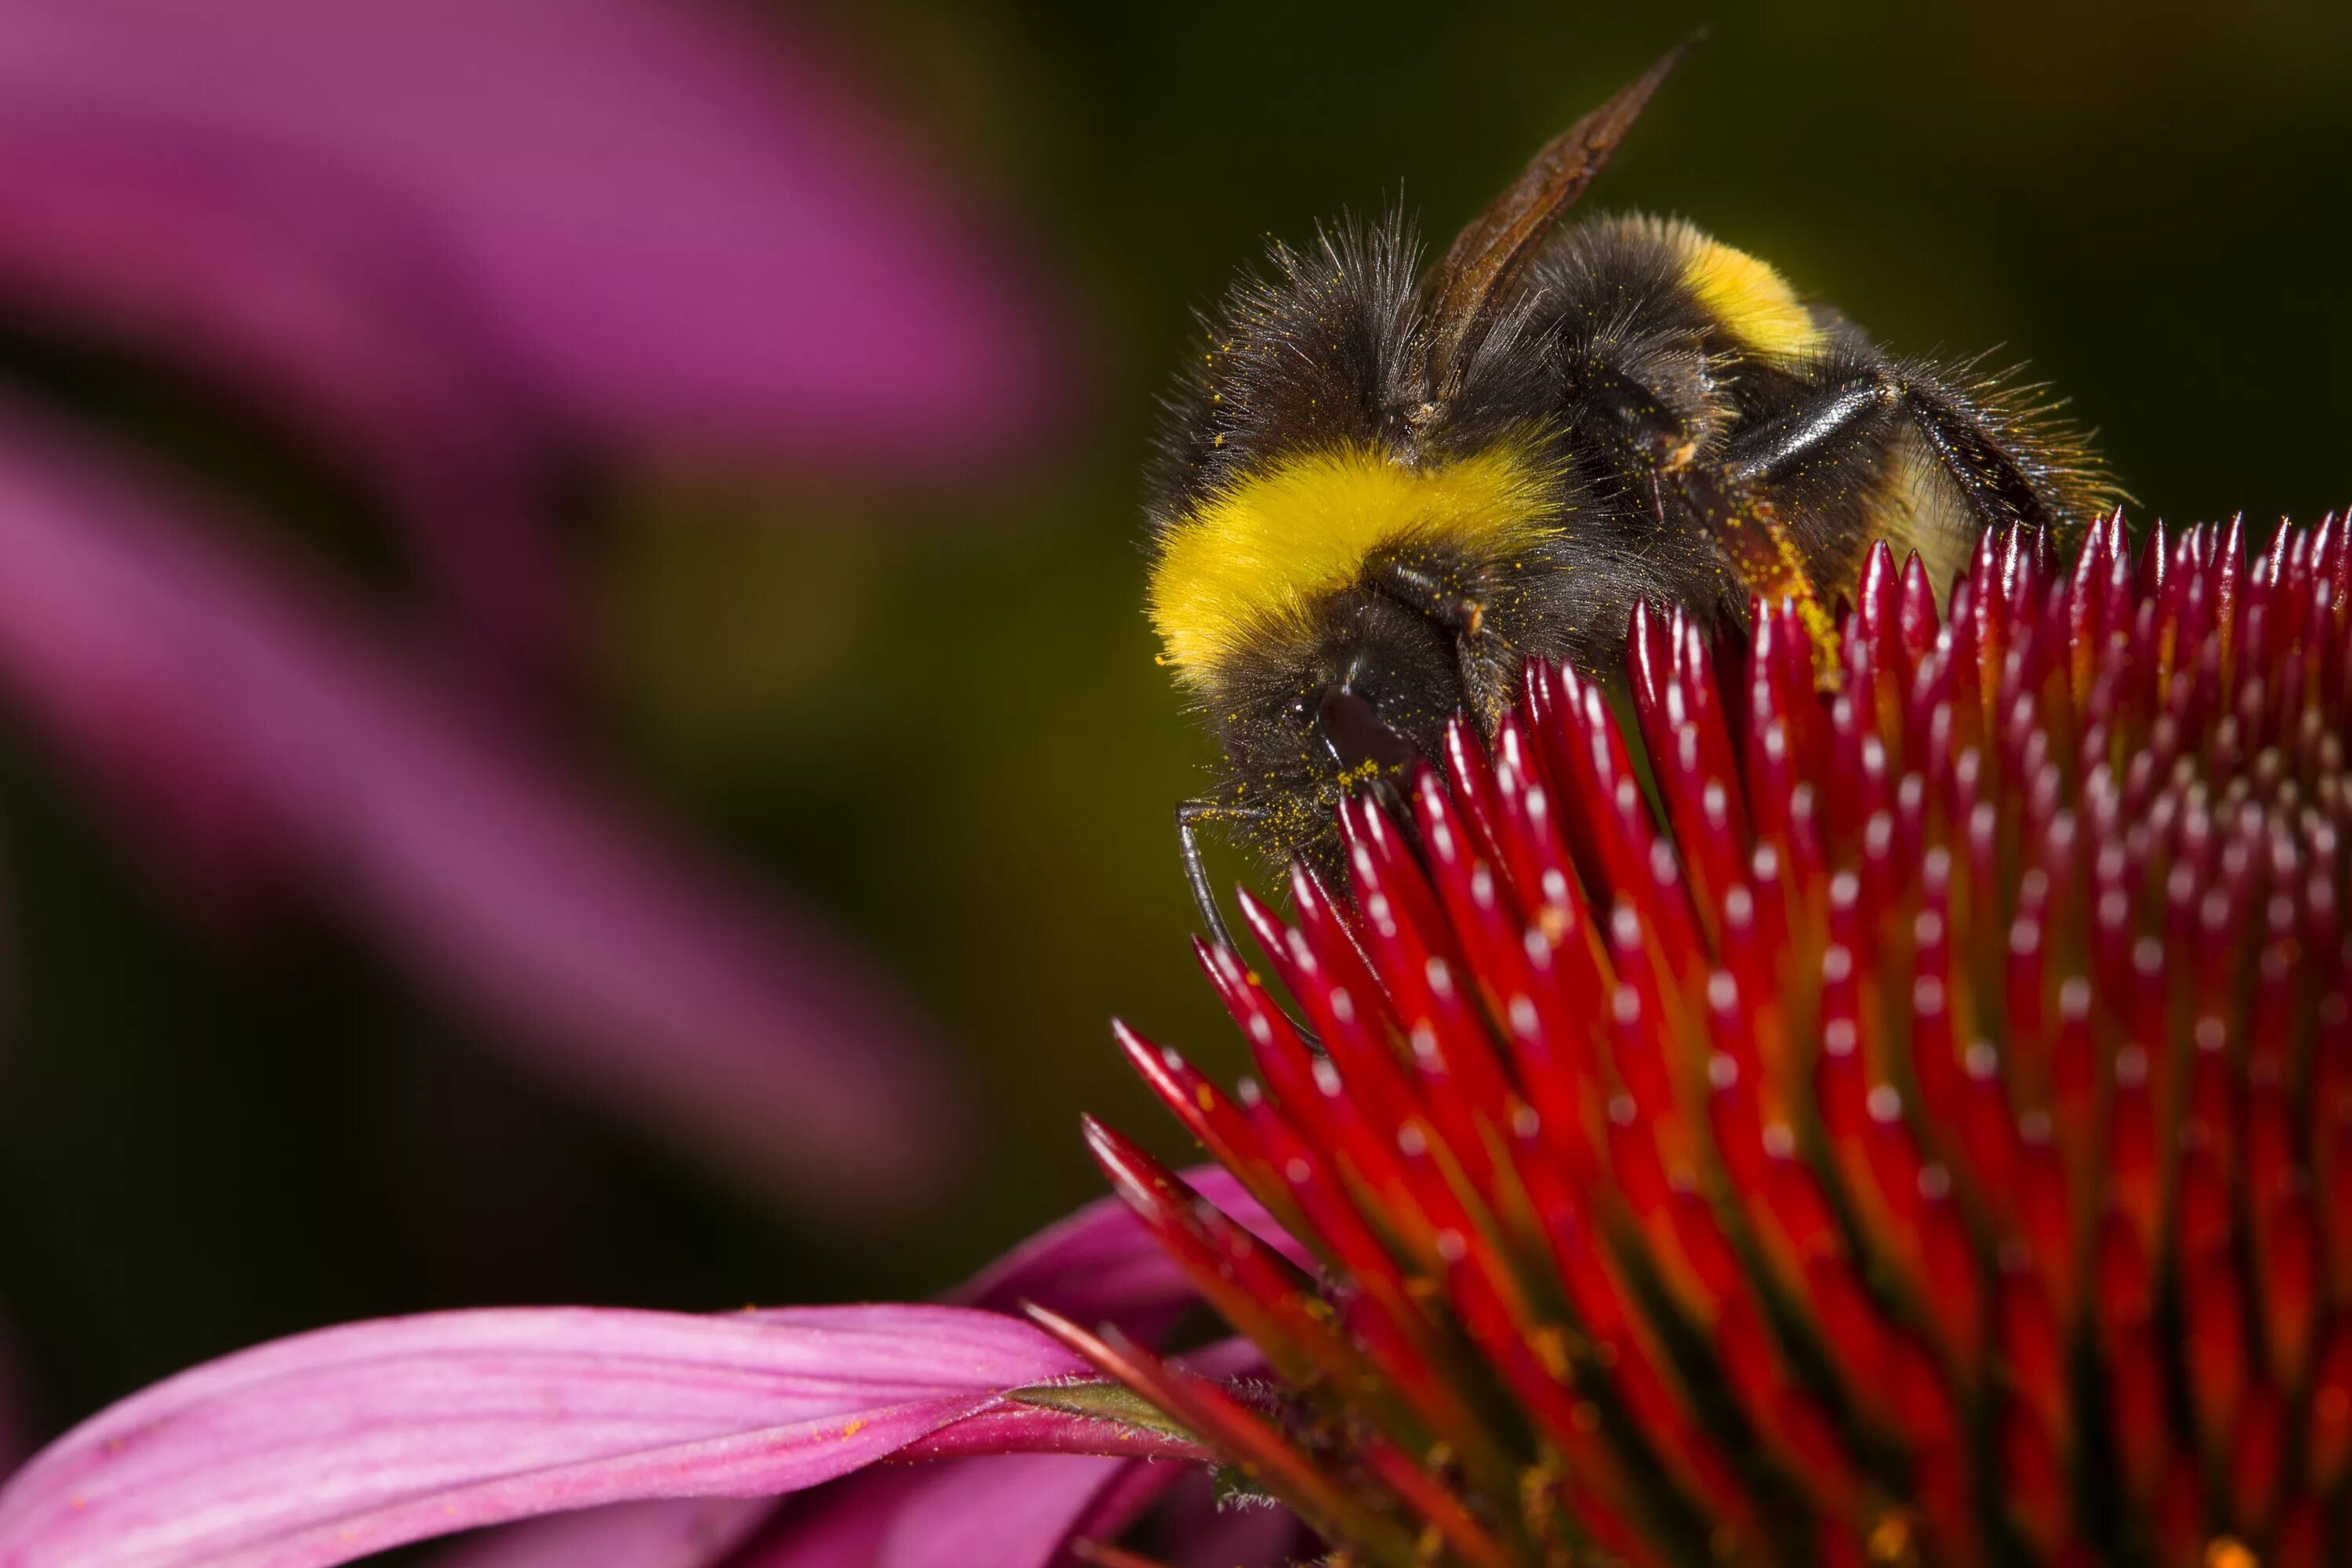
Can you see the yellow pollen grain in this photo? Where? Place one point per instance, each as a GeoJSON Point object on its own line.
{"type": "Point", "coordinates": [1890, 1539]}
{"type": "Point", "coordinates": [1255, 558]}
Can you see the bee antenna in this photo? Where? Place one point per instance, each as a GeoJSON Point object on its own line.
{"type": "Point", "coordinates": [1487, 259]}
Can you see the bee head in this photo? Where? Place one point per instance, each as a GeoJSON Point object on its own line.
{"type": "Point", "coordinates": [1331, 608]}
{"type": "Point", "coordinates": [1360, 513]}
{"type": "Point", "coordinates": [1345, 697]}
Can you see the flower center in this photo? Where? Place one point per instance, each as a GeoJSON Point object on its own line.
{"type": "Point", "coordinates": [1905, 1124]}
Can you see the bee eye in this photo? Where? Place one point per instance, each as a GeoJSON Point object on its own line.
{"type": "Point", "coordinates": [1354, 731]}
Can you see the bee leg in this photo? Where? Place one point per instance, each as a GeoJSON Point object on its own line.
{"type": "Point", "coordinates": [1832, 416]}
{"type": "Point", "coordinates": [1189, 815]}
{"type": "Point", "coordinates": [1862, 409]}
{"type": "Point", "coordinates": [1978, 458]}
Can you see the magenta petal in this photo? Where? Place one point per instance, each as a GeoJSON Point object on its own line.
{"type": "Point", "coordinates": [1005, 1512]}
{"type": "Point", "coordinates": [305, 292]}
{"type": "Point", "coordinates": [1013, 1511]}
{"type": "Point", "coordinates": [1049, 1480]}
{"type": "Point", "coordinates": [1101, 1264]}
{"type": "Point", "coordinates": [664, 221]}
{"type": "Point", "coordinates": [691, 1533]}
{"type": "Point", "coordinates": [329, 1445]}
{"type": "Point", "coordinates": [1008, 1512]}
{"type": "Point", "coordinates": [252, 717]}
{"type": "Point", "coordinates": [1090, 1262]}
{"type": "Point", "coordinates": [842, 1525]}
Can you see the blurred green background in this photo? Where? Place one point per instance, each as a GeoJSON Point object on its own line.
{"type": "Point", "coordinates": [943, 726]}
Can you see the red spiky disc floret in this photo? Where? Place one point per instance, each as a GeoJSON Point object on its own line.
{"type": "Point", "coordinates": [1906, 1123]}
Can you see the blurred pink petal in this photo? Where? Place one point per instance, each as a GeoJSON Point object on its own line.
{"type": "Point", "coordinates": [323, 1447]}
{"type": "Point", "coordinates": [250, 717]}
{"type": "Point", "coordinates": [308, 291]}
{"type": "Point", "coordinates": [647, 220]}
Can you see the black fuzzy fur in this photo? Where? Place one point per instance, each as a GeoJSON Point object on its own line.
{"type": "Point", "coordinates": [1603, 364]}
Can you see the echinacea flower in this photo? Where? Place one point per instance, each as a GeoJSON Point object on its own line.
{"type": "Point", "coordinates": [1923, 1139]}
{"type": "Point", "coordinates": [469, 250]}
{"type": "Point", "coordinates": [1909, 1121]}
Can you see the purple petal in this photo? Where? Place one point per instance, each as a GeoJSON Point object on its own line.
{"type": "Point", "coordinates": [310, 292]}
{"type": "Point", "coordinates": [251, 716]}
{"type": "Point", "coordinates": [1008, 1512]}
{"type": "Point", "coordinates": [842, 1525]}
{"type": "Point", "coordinates": [655, 220]}
{"type": "Point", "coordinates": [323, 1447]}
{"type": "Point", "coordinates": [691, 1533]}
{"type": "Point", "coordinates": [1101, 1264]}
{"type": "Point", "coordinates": [1003, 1511]}
{"type": "Point", "coordinates": [846, 1523]}
{"type": "Point", "coordinates": [1015, 1511]}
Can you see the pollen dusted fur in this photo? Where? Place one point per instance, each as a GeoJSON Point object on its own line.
{"type": "Point", "coordinates": [1253, 561]}
{"type": "Point", "coordinates": [1382, 487]}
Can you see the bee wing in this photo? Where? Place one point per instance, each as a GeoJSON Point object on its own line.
{"type": "Point", "coordinates": [1488, 257]}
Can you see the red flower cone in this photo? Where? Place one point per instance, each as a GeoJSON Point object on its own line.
{"type": "Point", "coordinates": [1904, 1117]}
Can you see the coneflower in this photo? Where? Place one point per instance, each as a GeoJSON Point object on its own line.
{"type": "Point", "coordinates": [1905, 1122]}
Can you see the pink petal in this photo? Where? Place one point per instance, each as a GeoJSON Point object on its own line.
{"type": "Point", "coordinates": [842, 1525]}
{"type": "Point", "coordinates": [1015, 1511]}
{"type": "Point", "coordinates": [1008, 1512]}
{"type": "Point", "coordinates": [657, 220]}
{"type": "Point", "coordinates": [316, 296]}
{"type": "Point", "coordinates": [323, 1447]}
{"type": "Point", "coordinates": [1101, 1264]}
{"type": "Point", "coordinates": [251, 715]}
{"type": "Point", "coordinates": [1094, 1265]}
{"type": "Point", "coordinates": [690, 1532]}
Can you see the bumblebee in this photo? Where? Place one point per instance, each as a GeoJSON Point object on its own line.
{"type": "Point", "coordinates": [1380, 489]}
